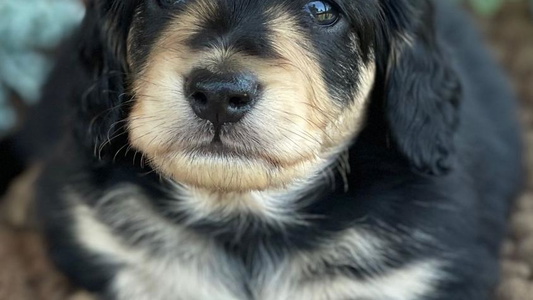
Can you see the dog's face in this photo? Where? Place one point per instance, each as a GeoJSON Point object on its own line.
{"type": "Point", "coordinates": [240, 95]}
{"type": "Point", "coordinates": [249, 95]}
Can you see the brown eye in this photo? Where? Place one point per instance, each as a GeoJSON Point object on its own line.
{"type": "Point", "coordinates": [323, 12]}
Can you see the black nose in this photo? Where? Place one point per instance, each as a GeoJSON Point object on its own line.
{"type": "Point", "coordinates": [221, 98]}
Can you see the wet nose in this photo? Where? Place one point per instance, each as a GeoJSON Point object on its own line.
{"type": "Point", "coordinates": [221, 98]}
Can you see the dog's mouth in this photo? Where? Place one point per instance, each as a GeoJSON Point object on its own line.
{"type": "Point", "coordinates": [217, 148]}
{"type": "Point", "coordinates": [228, 144]}
{"type": "Point", "coordinates": [257, 153]}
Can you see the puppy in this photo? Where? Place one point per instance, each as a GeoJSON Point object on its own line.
{"type": "Point", "coordinates": [278, 150]}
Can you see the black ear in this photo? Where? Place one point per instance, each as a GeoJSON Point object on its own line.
{"type": "Point", "coordinates": [422, 90]}
{"type": "Point", "coordinates": [102, 44]}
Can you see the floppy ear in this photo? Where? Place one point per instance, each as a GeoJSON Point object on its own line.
{"type": "Point", "coordinates": [103, 42]}
{"type": "Point", "coordinates": [422, 90]}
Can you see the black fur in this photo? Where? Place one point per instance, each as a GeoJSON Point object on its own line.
{"type": "Point", "coordinates": [11, 163]}
{"type": "Point", "coordinates": [440, 150]}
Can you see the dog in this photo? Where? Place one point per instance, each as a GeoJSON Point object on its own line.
{"type": "Point", "coordinates": [276, 150]}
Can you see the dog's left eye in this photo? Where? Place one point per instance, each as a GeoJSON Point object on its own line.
{"type": "Point", "coordinates": [323, 12]}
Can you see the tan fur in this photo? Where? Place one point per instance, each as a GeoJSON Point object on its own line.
{"type": "Point", "coordinates": [290, 135]}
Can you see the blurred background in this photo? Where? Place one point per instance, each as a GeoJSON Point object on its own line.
{"type": "Point", "coordinates": [30, 31]}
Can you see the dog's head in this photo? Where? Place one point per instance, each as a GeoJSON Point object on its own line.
{"type": "Point", "coordinates": [240, 95]}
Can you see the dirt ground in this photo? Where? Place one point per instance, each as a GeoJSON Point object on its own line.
{"type": "Point", "coordinates": [511, 34]}
{"type": "Point", "coordinates": [26, 274]}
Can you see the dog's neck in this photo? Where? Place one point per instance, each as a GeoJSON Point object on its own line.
{"type": "Point", "coordinates": [271, 206]}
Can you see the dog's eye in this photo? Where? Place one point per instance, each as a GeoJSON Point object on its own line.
{"type": "Point", "coordinates": [323, 12]}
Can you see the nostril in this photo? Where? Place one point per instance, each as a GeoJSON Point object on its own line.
{"type": "Point", "coordinates": [200, 98]}
{"type": "Point", "coordinates": [239, 102]}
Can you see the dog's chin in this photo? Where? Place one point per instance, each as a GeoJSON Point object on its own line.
{"type": "Point", "coordinates": [221, 169]}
